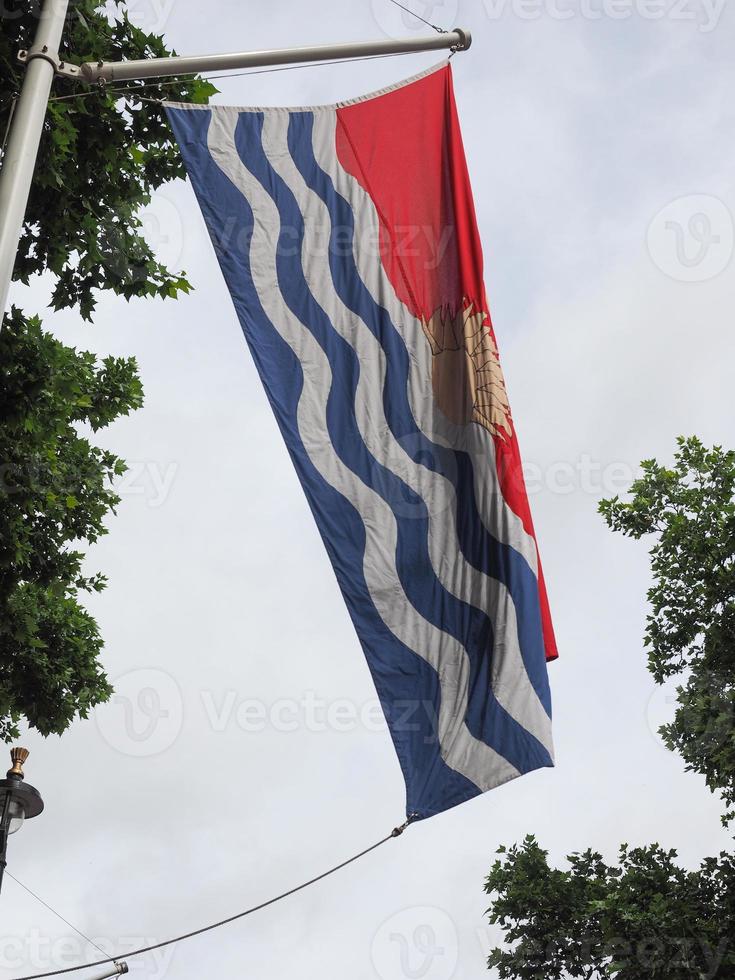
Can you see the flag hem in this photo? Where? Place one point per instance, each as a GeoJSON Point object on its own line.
{"type": "Point", "coordinates": [327, 107]}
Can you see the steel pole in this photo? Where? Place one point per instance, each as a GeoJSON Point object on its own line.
{"type": "Point", "coordinates": [113, 970]}
{"type": "Point", "coordinates": [4, 828]}
{"type": "Point", "coordinates": [24, 139]}
{"type": "Point", "coordinates": [120, 71]}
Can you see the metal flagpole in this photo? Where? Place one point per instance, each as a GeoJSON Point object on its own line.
{"type": "Point", "coordinates": [24, 138]}
{"type": "Point", "coordinates": [123, 71]}
{"type": "Point", "coordinates": [43, 63]}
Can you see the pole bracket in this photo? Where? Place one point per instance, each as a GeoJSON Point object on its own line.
{"type": "Point", "coordinates": [465, 40]}
{"type": "Point", "coordinates": [63, 68]}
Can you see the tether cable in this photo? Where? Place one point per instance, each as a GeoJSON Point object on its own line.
{"type": "Point", "coordinates": [11, 113]}
{"type": "Point", "coordinates": [439, 30]}
{"type": "Point", "coordinates": [57, 914]}
{"type": "Point", "coordinates": [222, 922]}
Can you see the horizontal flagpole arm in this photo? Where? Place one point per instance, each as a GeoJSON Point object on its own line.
{"type": "Point", "coordinates": [119, 71]}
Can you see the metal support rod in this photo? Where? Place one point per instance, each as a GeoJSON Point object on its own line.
{"type": "Point", "coordinates": [119, 71]}
{"type": "Point", "coordinates": [113, 970]}
{"type": "Point", "coordinates": [4, 830]}
{"type": "Point", "coordinates": [19, 161]}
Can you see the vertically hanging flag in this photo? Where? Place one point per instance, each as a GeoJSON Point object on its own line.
{"type": "Point", "coordinates": [348, 240]}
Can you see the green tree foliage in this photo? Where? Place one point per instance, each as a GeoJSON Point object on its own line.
{"type": "Point", "coordinates": [104, 151]}
{"type": "Point", "coordinates": [645, 917]}
{"type": "Point", "coordinates": [690, 509]}
{"type": "Point", "coordinates": [54, 489]}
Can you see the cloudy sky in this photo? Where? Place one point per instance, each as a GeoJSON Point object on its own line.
{"type": "Point", "coordinates": [242, 754]}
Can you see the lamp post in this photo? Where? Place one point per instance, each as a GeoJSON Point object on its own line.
{"type": "Point", "coordinates": [18, 801]}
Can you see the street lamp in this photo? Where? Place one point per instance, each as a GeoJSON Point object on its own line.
{"type": "Point", "coordinates": [18, 801]}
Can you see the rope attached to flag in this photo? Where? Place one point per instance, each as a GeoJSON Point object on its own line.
{"type": "Point", "coordinates": [222, 922]}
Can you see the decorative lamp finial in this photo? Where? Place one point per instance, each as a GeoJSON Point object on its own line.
{"type": "Point", "coordinates": [18, 757]}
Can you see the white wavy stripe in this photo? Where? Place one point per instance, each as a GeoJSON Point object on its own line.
{"type": "Point", "coordinates": [460, 750]}
{"type": "Point", "coordinates": [511, 684]}
{"type": "Point", "coordinates": [475, 440]}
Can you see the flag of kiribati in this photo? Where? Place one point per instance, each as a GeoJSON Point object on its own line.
{"type": "Point", "coordinates": [348, 240]}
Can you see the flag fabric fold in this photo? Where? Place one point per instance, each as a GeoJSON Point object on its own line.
{"type": "Point", "coordinates": [348, 241]}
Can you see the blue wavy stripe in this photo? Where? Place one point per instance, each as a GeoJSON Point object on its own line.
{"type": "Point", "coordinates": [469, 625]}
{"type": "Point", "coordinates": [407, 686]}
{"type": "Point", "coordinates": [480, 548]}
